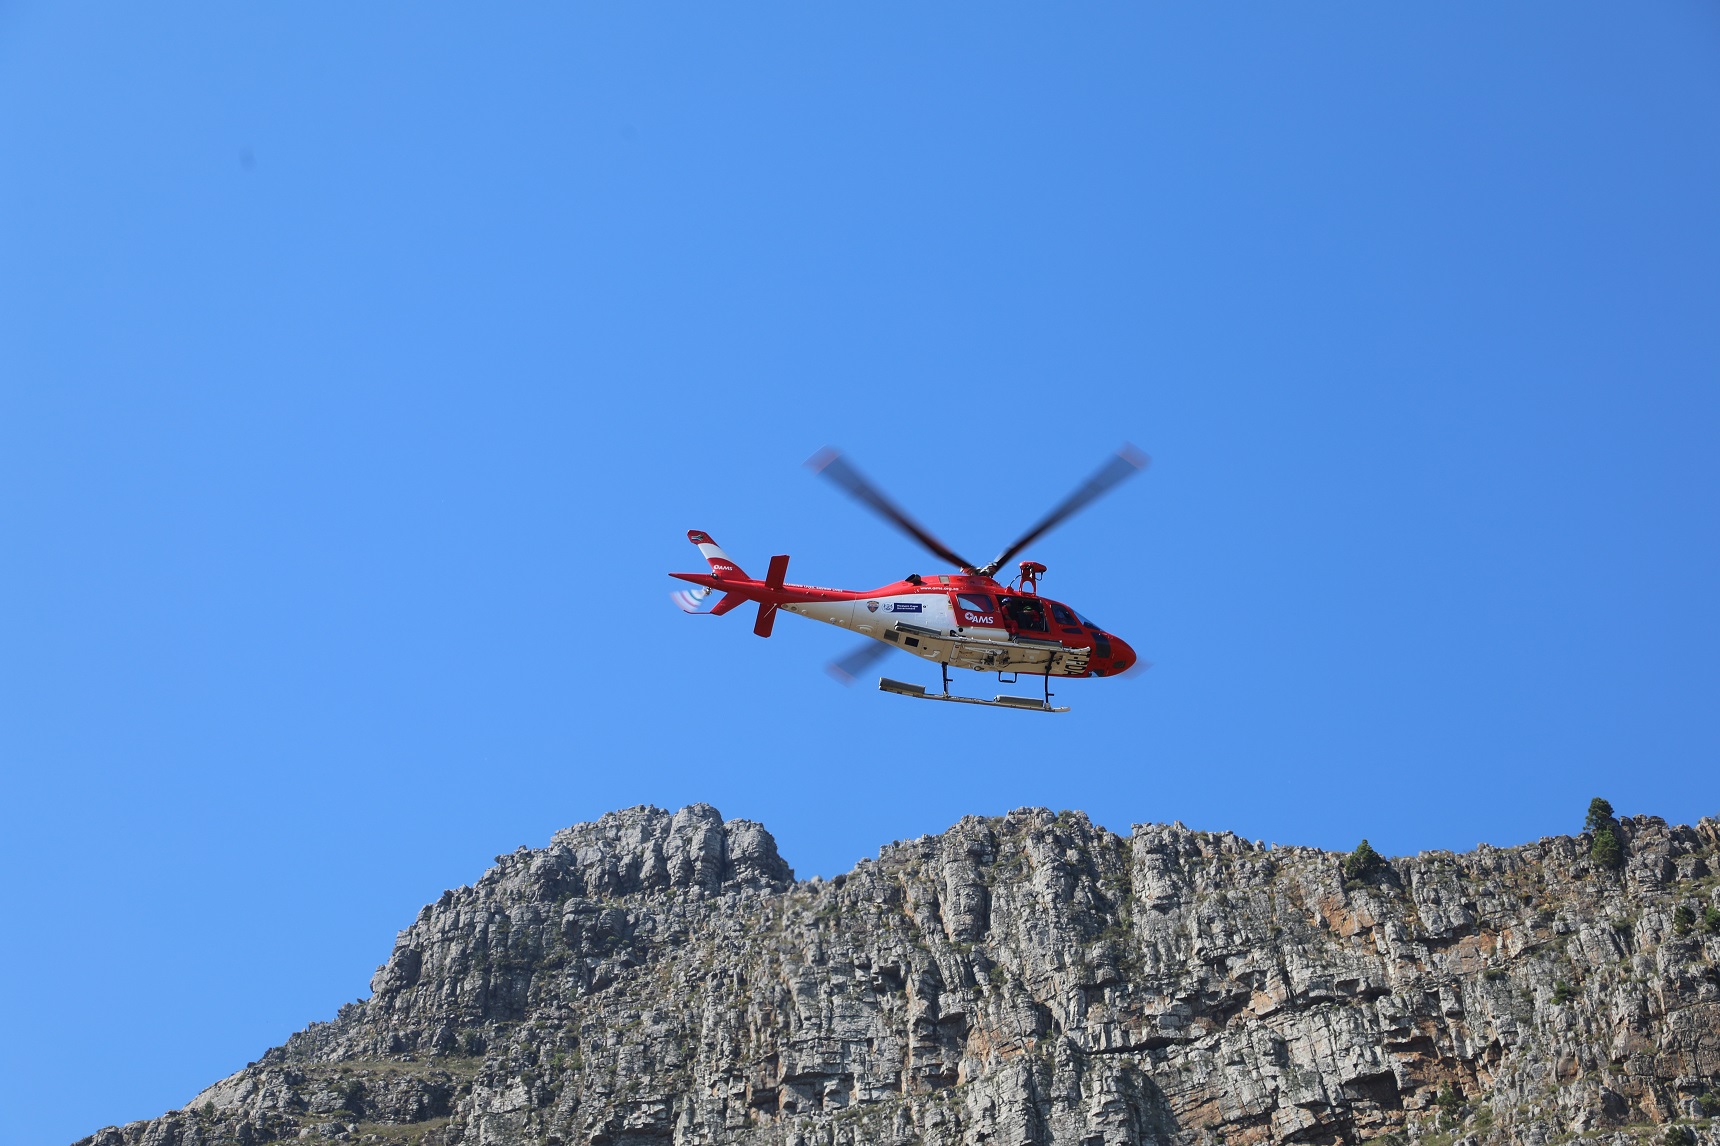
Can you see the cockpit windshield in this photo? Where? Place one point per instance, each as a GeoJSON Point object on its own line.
{"type": "Point", "coordinates": [1089, 623]}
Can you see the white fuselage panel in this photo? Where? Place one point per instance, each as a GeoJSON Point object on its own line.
{"type": "Point", "coordinates": [925, 624]}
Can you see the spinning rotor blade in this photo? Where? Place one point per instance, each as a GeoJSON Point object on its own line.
{"type": "Point", "coordinates": [848, 669]}
{"type": "Point", "coordinates": [1127, 462]}
{"type": "Point", "coordinates": [834, 466]}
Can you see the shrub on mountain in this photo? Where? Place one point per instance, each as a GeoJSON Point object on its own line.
{"type": "Point", "coordinates": [1362, 863]}
{"type": "Point", "coordinates": [1605, 848]}
{"type": "Point", "coordinates": [1450, 1104]}
{"type": "Point", "coordinates": [1683, 920]}
{"type": "Point", "coordinates": [1606, 851]}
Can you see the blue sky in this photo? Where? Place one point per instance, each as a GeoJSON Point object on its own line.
{"type": "Point", "coordinates": [363, 369]}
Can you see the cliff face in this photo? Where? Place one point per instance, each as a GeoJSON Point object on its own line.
{"type": "Point", "coordinates": [656, 979]}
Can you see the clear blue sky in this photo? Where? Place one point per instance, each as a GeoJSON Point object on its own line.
{"type": "Point", "coordinates": [362, 368]}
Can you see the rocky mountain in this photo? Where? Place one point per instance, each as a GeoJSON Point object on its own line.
{"type": "Point", "coordinates": [657, 978]}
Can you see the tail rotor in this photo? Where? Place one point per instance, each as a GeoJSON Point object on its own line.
{"type": "Point", "coordinates": [691, 600]}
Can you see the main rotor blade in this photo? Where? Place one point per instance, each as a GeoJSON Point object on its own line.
{"type": "Point", "coordinates": [1126, 462]}
{"type": "Point", "coordinates": [848, 669]}
{"type": "Point", "coordinates": [834, 466]}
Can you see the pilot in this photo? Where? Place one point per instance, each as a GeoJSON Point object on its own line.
{"type": "Point", "coordinates": [1027, 613]}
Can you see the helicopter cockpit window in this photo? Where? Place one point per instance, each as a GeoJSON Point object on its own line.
{"type": "Point", "coordinates": [1091, 624]}
{"type": "Point", "coordinates": [1027, 614]}
{"type": "Point", "coordinates": [1061, 615]}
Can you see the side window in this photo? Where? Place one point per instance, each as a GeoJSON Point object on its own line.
{"type": "Point", "coordinates": [975, 610]}
{"type": "Point", "coordinates": [1027, 613]}
{"type": "Point", "coordinates": [1061, 615]}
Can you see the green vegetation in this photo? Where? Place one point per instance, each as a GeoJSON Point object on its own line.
{"type": "Point", "coordinates": [1711, 919]}
{"type": "Point", "coordinates": [1605, 850]}
{"type": "Point", "coordinates": [398, 1135]}
{"type": "Point", "coordinates": [1563, 993]}
{"type": "Point", "coordinates": [1683, 920]}
{"type": "Point", "coordinates": [1362, 862]}
{"type": "Point", "coordinates": [1678, 1136]}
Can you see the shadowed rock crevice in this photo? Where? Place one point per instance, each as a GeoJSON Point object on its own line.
{"type": "Point", "coordinates": [1028, 980]}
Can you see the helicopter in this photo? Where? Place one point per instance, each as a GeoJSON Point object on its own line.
{"type": "Point", "coordinates": [966, 619]}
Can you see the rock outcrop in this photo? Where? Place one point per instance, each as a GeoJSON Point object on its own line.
{"type": "Point", "coordinates": [657, 979]}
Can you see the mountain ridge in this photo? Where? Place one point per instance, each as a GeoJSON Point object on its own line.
{"type": "Point", "coordinates": [656, 978]}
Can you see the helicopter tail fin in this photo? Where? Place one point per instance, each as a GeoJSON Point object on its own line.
{"type": "Point", "coordinates": [722, 565]}
{"type": "Point", "coordinates": [729, 601]}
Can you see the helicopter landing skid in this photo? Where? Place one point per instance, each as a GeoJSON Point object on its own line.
{"type": "Point", "coordinates": [918, 692]}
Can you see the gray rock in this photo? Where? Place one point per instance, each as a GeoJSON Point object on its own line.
{"type": "Point", "coordinates": [659, 978]}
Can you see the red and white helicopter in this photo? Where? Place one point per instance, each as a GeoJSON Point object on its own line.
{"type": "Point", "coordinates": [966, 619]}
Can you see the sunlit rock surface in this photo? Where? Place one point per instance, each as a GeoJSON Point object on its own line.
{"type": "Point", "coordinates": [660, 978]}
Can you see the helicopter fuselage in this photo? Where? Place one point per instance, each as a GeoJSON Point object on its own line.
{"type": "Point", "coordinates": [964, 620]}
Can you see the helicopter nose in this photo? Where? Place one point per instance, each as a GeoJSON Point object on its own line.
{"type": "Point", "coordinates": [1122, 656]}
